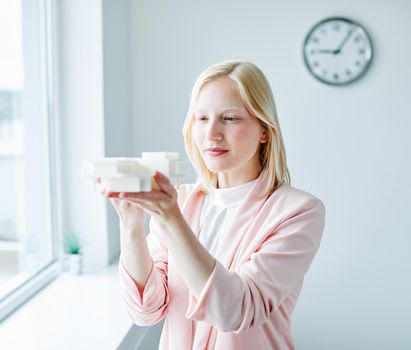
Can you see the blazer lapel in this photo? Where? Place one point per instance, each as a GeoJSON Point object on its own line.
{"type": "Point", "coordinates": [191, 209]}
{"type": "Point", "coordinates": [238, 227]}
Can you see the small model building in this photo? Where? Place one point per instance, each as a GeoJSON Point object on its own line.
{"type": "Point", "coordinates": [123, 174]}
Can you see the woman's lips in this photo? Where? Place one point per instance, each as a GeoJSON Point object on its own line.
{"type": "Point", "coordinates": [215, 152]}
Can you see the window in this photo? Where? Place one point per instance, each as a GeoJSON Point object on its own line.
{"type": "Point", "coordinates": [28, 252]}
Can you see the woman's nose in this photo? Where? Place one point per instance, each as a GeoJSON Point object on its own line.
{"type": "Point", "coordinates": [213, 132]}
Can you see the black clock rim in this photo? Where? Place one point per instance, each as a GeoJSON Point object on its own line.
{"type": "Point", "coordinates": [343, 19]}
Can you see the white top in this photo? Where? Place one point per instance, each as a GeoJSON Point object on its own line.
{"type": "Point", "coordinates": [219, 207]}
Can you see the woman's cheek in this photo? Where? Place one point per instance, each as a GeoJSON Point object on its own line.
{"type": "Point", "coordinates": [242, 132]}
{"type": "Point", "coordinates": [196, 136]}
{"type": "Point", "coordinates": [246, 136]}
{"type": "Point", "coordinates": [197, 140]}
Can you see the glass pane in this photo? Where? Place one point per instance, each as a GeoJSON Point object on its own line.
{"type": "Point", "coordinates": [25, 228]}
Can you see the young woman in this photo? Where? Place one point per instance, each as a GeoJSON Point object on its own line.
{"type": "Point", "coordinates": [225, 258]}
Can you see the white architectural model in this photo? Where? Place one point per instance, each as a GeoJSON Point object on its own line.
{"type": "Point", "coordinates": [121, 174]}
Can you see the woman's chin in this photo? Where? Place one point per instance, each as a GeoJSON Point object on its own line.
{"type": "Point", "coordinates": [219, 165]}
{"type": "Point", "coordinates": [217, 169]}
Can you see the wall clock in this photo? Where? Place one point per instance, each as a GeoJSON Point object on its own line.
{"type": "Point", "coordinates": [337, 51]}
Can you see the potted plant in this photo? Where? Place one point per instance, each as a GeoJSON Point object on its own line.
{"type": "Point", "coordinates": [72, 247]}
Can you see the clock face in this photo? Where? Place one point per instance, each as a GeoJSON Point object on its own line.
{"type": "Point", "coordinates": [337, 51]}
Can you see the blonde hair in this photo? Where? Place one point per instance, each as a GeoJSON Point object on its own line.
{"type": "Point", "coordinates": [256, 95]}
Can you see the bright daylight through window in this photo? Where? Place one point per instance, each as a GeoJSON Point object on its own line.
{"type": "Point", "coordinates": [26, 234]}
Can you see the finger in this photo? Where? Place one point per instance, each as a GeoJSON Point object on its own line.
{"type": "Point", "coordinates": [154, 196]}
{"type": "Point", "coordinates": [154, 185]}
{"type": "Point", "coordinates": [147, 206]}
{"type": "Point", "coordinates": [98, 180]}
{"type": "Point", "coordinates": [139, 201]}
{"type": "Point", "coordinates": [164, 183]}
{"type": "Point", "coordinates": [109, 194]}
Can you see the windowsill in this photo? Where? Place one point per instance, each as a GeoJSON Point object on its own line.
{"type": "Point", "coordinates": [72, 312]}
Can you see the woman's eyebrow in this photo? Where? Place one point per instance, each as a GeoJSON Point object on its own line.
{"type": "Point", "coordinates": [231, 108]}
{"type": "Point", "coordinates": [225, 109]}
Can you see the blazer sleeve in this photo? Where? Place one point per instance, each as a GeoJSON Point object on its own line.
{"type": "Point", "coordinates": [149, 306]}
{"type": "Point", "coordinates": [236, 300]}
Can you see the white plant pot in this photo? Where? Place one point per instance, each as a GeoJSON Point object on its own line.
{"type": "Point", "coordinates": [75, 264]}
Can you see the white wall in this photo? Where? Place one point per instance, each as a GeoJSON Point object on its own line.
{"type": "Point", "coordinates": [117, 92]}
{"type": "Point", "coordinates": [94, 115]}
{"type": "Point", "coordinates": [81, 122]}
{"type": "Point", "coordinates": [347, 145]}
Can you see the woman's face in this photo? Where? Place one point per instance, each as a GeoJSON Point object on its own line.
{"type": "Point", "coordinates": [227, 136]}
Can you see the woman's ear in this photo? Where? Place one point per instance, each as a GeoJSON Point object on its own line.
{"type": "Point", "coordinates": [264, 137]}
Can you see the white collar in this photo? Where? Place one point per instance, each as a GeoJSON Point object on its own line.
{"type": "Point", "coordinates": [231, 196]}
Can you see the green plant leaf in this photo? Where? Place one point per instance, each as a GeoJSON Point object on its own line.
{"type": "Point", "coordinates": [71, 243]}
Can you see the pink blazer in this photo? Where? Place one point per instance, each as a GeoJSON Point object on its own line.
{"type": "Point", "coordinates": [249, 298]}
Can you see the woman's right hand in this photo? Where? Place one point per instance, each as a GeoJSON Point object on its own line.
{"type": "Point", "coordinates": [132, 216]}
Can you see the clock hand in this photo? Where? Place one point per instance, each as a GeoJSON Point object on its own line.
{"type": "Point", "coordinates": [325, 51]}
{"type": "Point", "coordinates": [338, 50]}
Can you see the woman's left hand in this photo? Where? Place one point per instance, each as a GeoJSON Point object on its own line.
{"type": "Point", "coordinates": [162, 204]}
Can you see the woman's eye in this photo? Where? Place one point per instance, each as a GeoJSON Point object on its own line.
{"type": "Point", "coordinates": [231, 118]}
